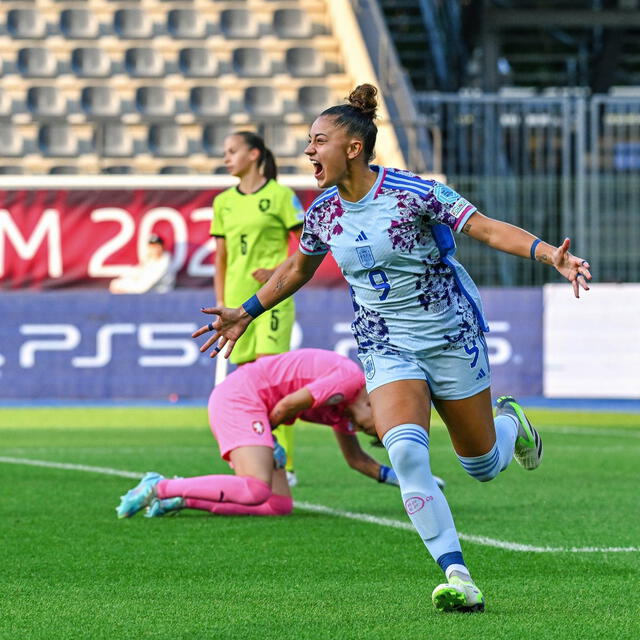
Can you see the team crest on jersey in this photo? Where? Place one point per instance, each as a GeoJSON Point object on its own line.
{"type": "Point", "coordinates": [365, 255]}
{"type": "Point", "coordinates": [444, 194]}
{"type": "Point", "coordinates": [258, 427]}
{"type": "Point", "coordinates": [369, 367]}
{"type": "Point", "coordinates": [264, 204]}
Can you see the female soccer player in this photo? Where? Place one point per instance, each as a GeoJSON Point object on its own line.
{"type": "Point", "coordinates": [251, 223]}
{"type": "Point", "coordinates": [418, 319]}
{"type": "Point", "coordinates": [313, 384]}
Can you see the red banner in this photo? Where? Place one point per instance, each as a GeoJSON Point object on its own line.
{"type": "Point", "coordinates": [54, 238]}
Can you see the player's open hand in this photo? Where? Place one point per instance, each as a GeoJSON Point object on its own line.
{"type": "Point", "coordinates": [229, 326]}
{"type": "Point", "coordinates": [574, 269]}
{"type": "Point", "coordinates": [262, 275]}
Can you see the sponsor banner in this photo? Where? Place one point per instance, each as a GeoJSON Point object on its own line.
{"type": "Point", "coordinates": [93, 345]}
{"type": "Point", "coordinates": [57, 238]}
{"type": "Point", "coordinates": [592, 343]}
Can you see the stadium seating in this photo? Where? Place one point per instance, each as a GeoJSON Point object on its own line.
{"type": "Point", "coordinates": [119, 86]}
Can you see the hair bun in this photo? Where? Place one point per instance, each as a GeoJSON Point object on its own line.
{"type": "Point", "coordinates": [363, 98]}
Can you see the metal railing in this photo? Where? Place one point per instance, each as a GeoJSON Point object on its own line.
{"type": "Point", "coordinates": [558, 166]}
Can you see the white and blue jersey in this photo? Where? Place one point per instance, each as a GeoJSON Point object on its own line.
{"type": "Point", "coordinates": [396, 248]}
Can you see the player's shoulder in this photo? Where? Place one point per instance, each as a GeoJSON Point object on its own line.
{"type": "Point", "coordinates": [325, 198]}
{"type": "Point", "coordinates": [279, 189]}
{"type": "Point", "coordinates": [226, 195]}
{"type": "Point", "coordinates": [403, 180]}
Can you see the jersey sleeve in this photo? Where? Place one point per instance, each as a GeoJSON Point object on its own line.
{"type": "Point", "coordinates": [310, 243]}
{"type": "Point", "coordinates": [291, 211]}
{"type": "Point", "coordinates": [217, 224]}
{"type": "Point", "coordinates": [446, 206]}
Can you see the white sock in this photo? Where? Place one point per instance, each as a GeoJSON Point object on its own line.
{"type": "Point", "coordinates": [408, 448]}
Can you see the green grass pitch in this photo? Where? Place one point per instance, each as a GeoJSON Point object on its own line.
{"type": "Point", "coordinates": [70, 569]}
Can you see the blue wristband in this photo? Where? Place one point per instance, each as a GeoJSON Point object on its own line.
{"type": "Point", "coordinates": [253, 307]}
{"type": "Point", "coordinates": [532, 251]}
{"type": "Point", "coordinates": [388, 476]}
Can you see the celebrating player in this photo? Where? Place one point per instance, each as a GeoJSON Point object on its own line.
{"type": "Point", "coordinates": [418, 319]}
{"type": "Point", "coordinates": [251, 224]}
{"type": "Point", "coordinates": [313, 384]}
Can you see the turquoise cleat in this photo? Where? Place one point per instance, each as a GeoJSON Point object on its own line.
{"type": "Point", "coordinates": [159, 508]}
{"type": "Point", "coordinates": [139, 497]}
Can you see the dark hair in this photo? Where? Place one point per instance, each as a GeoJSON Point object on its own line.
{"type": "Point", "coordinates": [358, 115]}
{"type": "Point", "coordinates": [154, 238]}
{"type": "Point", "coordinates": [266, 161]}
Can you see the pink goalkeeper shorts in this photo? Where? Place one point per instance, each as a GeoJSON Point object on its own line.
{"type": "Point", "coordinates": [237, 416]}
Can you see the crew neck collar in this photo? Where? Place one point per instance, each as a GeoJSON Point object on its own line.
{"type": "Point", "coordinates": [369, 196]}
{"type": "Point", "coordinates": [252, 193]}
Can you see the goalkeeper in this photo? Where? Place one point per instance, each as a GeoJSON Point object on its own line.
{"type": "Point", "coordinates": [312, 384]}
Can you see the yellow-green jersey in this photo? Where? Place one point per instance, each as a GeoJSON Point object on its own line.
{"type": "Point", "coordinates": [256, 228]}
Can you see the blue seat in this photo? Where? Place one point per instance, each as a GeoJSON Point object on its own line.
{"type": "Point", "coordinates": [209, 102]}
{"type": "Point", "coordinates": [263, 102]}
{"type": "Point", "coordinates": [26, 23]}
{"type": "Point", "coordinates": [292, 23]}
{"type": "Point", "coordinates": [155, 102]}
{"type": "Point", "coordinates": [176, 169]}
{"type": "Point", "coordinates": [57, 140]}
{"type": "Point", "coordinates": [112, 140]}
{"type": "Point", "coordinates": [239, 23]}
{"type": "Point", "coordinates": [100, 102]}
{"type": "Point", "coordinates": [313, 99]}
{"type": "Point", "coordinates": [213, 136]}
{"type": "Point", "coordinates": [304, 62]}
{"type": "Point", "coordinates": [37, 62]}
{"type": "Point", "coordinates": [133, 24]}
{"type": "Point", "coordinates": [64, 170]}
{"type": "Point", "coordinates": [197, 62]}
{"type": "Point", "coordinates": [80, 24]}
{"type": "Point", "coordinates": [144, 62]}
{"type": "Point", "coordinates": [90, 62]}
{"type": "Point", "coordinates": [168, 141]}
{"type": "Point", "coordinates": [11, 141]}
{"type": "Point", "coordinates": [251, 62]}
{"type": "Point", "coordinates": [46, 102]}
{"type": "Point", "coordinates": [186, 24]}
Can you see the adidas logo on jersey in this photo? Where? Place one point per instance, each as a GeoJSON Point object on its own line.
{"type": "Point", "coordinates": [481, 374]}
{"type": "Point", "coordinates": [361, 237]}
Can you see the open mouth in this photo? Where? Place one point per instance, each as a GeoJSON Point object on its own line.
{"type": "Point", "coordinates": [317, 169]}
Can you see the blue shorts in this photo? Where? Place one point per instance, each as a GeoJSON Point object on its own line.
{"type": "Point", "coordinates": [451, 375]}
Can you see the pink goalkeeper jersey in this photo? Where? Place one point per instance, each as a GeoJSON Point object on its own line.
{"type": "Point", "coordinates": [333, 380]}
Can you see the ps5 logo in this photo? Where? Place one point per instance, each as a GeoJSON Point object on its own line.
{"type": "Point", "coordinates": [157, 336]}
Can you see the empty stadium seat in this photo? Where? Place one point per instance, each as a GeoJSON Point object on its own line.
{"type": "Point", "coordinates": [155, 102]}
{"type": "Point", "coordinates": [11, 170]}
{"type": "Point", "coordinates": [282, 141]}
{"type": "Point", "coordinates": [132, 24]}
{"type": "Point", "coordinates": [239, 23]}
{"type": "Point", "coordinates": [304, 62]}
{"type": "Point", "coordinates": [57, 140]}
{"type": "Point", "coordinates": [186, 23]}
{"type": "Point", "coordinates": [176, 169]}
{"type": "Point", "coordinates": [313, 99]}
{"type": "Point", "coordinates": [263, 102]}
{"type": "Point", "coordinates": [167, 140]}
{"type": "Point", "coordinates": [117, 169]}
{"type": "Point", "coordinates": [292, 23]}
{"type": "Point", "coordinates": [209, 102]}
{"type": "Point", "coordinates": [79, 24]}
{"type": "Point", "coordinates": [197, 62]}
{"type": "Point", "coordinates": [64, 170]}
{"type": "Point", "coordinates": [26, 23]}
{"type": "Point", "coordinates": [144, 62]}
{"type": "Point", "coordinates": [11, 141]}
{"type": "Point", "coordinates": [46, 102]}
{"type": "Point", "coordinates": [251, 62]}
{"type": "Point", "coordinates": [90, 62]}
{"type": "Point", "coordinates": [213, 136]}
{"type": "Point", "coordinates": [112, 140]}
{"type": "Point", "coordinates": [100, 102]}
{"type": "Point", "coordinates": [37, 62]}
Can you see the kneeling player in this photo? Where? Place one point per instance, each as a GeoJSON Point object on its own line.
{"type": "Point", "coordinates": [312, 384]}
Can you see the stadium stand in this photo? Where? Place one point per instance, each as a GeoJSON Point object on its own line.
{"type": "Point", "coordinates": [156, 85]}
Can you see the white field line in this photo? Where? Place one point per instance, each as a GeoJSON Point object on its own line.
{"type": "Point", "coordinates": [361, 517]}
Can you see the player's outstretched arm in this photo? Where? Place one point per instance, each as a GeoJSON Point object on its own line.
{"type": "Point", "coordinates": [511, 239]}
{"type": "Point", "coordinates": [232, 323]}
{"type": "Point", "coordinates": [289, 407]}
{"type": "Point", "coordinates": [357, 459]}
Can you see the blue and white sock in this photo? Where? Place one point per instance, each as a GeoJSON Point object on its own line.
{"type": "Point", "coordinates": [488, 466]}
{"type": "Point", "coordinates": [425, 504]}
